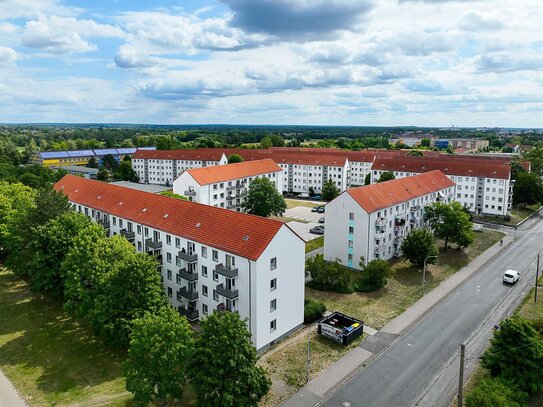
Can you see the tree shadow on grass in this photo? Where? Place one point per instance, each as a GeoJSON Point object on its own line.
{"type": "Point", "coordinates": [58, 351]}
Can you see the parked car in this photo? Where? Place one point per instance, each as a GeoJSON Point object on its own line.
{"type": "Point", "coordinates": [316, 197]}
{"type": "Point", "coordinates": [317, 230]}
{"type": "Point", "coordinates": [315, 208]}
{"type": "Point", "coordinates": [511, 276]}
{"type": "Point", "coordinates": [320, 209]}
{"type": "Point", "coordinates": [321, 220]}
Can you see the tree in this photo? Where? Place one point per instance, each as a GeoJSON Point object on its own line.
{"type": "Point", "coordinates": [266, 142]}
{"type": "Point", "coordinates": [93, 163]}
{"type": "Point", "coordinates": [374, 275]}
{"type": "Point", "coordinates": [450, 223]}
{"type": "Point", "coordinates": [425, 142]}
{"type": "Point", "coordinates": [125, 172]}
{"type": "Point", "coordinates": [103, 174]}
{"type": "Point", "coordinates": [416, 153]}
{"type": "Point", "coordinates": [528, 188]}
{"type": "Point", "coordinates": [418, 245]}
{"type": "Point", "coordinates": [313, 310]}
{"type": "Point", "coordinates": [50, 247]}
{"type": "Point", "coordinates": [329, 190]}
{"type": "Point", "coordinates": [328, 275]}
{"type": "Point", "coordinates": [263, 199]}
{"type": "Point", "coordinates": [277, 140]}
{"type": "Point", "coordinates": [367, 179]}
{"type": "Point", "coordinates": [235, 158]}
{"type": "Point", "coordinates": [516, 355]}
{"type": "Point", "coordinates": [535, 157]}
{"type": "Point", "coordinates": [160, 347]}
{"type": "Point", "coordinates": [172, 194]}
{"type": "Point", "coordinates": [14, 200]}
{"type": "Point", "coordinates": [110, 163]}
{"type": "Point", "coordinates": [494, 392]}
{"type": "Point", "coordinates": [223, 371]}
{"type": "Point", "coordinates": [386, 176]}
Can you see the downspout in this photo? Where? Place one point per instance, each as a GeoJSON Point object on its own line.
{"type": "Point", "coordinates": [368, 242]}
{"type": "Point", "coordinates": [250, 300]}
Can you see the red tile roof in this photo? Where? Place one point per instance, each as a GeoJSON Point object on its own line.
{"type": "Point", "coordinates": [450, 165]}
{"type": "Point", "coordinates": [237, 233]}
{"type": "Point", "coordinates": [228, 172]}
{"type": "Point", "coordinates": [207, 154]}
{"type": "Point", "coordinates": [385, 194]}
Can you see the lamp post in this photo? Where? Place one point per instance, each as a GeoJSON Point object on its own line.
{"type": "Point", "coordinates": [308, 360]}
{"type": "Point", "coordinates": [424, 272]}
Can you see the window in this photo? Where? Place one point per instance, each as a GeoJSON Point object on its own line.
{"type": "Point", "coordinates": [169, 239]}
{"type": "Point", "coordinates": [204, 252]}
{"type": "Point", "coordinates": [139, 229]}
{"type": "Point", "coordinates": [273, 325]}
{"type": "Point", "coordinates": [146, 231]}
{"type": "Point", "coordinates": [351, 230]}
{"type": "Point", "coordinates": [204, 271]}
{"type": "Point", "coordinates": [114, 221]}
{"type": "Point", "coordinates": [350, 244]}
{"type": "Point", "coordinates": [351, 216]}
{"type": "Point", "coordinates": [273, 284]}
{"type": "Point", "coordinates": [215, 276]}
{"type": "Point", "coordinates": [204, 309]}
{"type": "Point", "coordinates": [215, 295]}
{"type": "Point", "coordinates": [350, 257]}
{"type": "Point", "coordinates": [273, 263]}
{"type": "Point", "coordinates": [169, 274]}
{"type": "Point", "coordinates": [215, 255]}
{"type": "Point", "coordinates": [170, 292]}
{"type": "Point", "coordinates": [139, 246]}
{"type": "Point", "coordinates": [169, 257]}
{"type": "Point", "coordinates": [177, 242]}
{"type": "Point", "coordinates": [204, 290]}
{"type": "Point", "coordinates": [273, 305]}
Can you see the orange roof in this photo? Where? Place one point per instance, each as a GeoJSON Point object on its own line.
{"type": "Point", "coordinates": [228, 172]}
{"type": "Point", "coordinates": [450, 165]}
{"type": "Point", "coordinates": [385, 194]}
{"type": "Point", "coordinates": [237, 233]}
{"type": "Point", "coordinates": [207, 154]}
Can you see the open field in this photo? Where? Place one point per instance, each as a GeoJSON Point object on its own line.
{"type": "Point", "coordinates": [314, 244]}
{"type": "Point", "coordinates": [293, 203]}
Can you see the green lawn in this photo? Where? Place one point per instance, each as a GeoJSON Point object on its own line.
{"type": "Point", "coordinates": [293, 203]}
{"type": "Point", "coordinates": [314, 244]}
{"type": "Point", "coordinates": [516, 216]}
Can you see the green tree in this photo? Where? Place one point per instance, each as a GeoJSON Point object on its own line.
{"type": "Point", "coordinates": [223, 371]}
{"type": "Point", "coordinates": [313, 310]}
{"type": "Point", "coordinates": [263, 199]}
{"type": "Point", "coordinates": [328, 275]}
{"type": "Point", "coordinates": [125, 172]}
{"type": "Point", "coordinates": [329, 190]}
{"type": "Point", "coordinates": [516, 355]}
{"type": "Point", "coordinates": [528, 188]}
{"type": "Point", "coordinates": [93, 163]}
{"type": "Point", "coordinates": [373, 276]}
{"type": "Point", "coordinates": [110, 163]}
{"type": "Point", "coordinates": [418, 245]}
{"type": "Point", "coordinates": [535, 156]}
{"type": "Point", "coordinates": [386, 176]}
{"type": "Point", "coordinates": [367, 179]}
{"type": "Point", "coordinates": [450, 223]}
{"type": "Point", "coordinates": [425, 142]}
{"type": "Point", "coordinates": [494, 392]}
{"type": "Point", "coordinates": [50, 247]}
{"type": "Point", "coordinates": [160, 346]}
{"type": "Point", "coordinates": [277, 140]}
{"type": "Point", "coordinates": [266, 142]}
{"type": "Point", "coordinates": [103, 174]}
{"type": "Point", "coordinates": [15, 199]}
{"type": "Point", "coordinates": [235, 158]}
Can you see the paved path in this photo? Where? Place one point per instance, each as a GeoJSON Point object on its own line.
{"type": "Point", "coordinates": [354, 363]}
{"type": "Point", "coordinates": [8, 395]}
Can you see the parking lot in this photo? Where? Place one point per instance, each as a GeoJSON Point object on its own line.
{"type": "Point", "coordinates": [304, 213]}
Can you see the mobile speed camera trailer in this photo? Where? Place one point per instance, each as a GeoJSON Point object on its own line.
{"type": "Point", "coordinates": [341, 328]}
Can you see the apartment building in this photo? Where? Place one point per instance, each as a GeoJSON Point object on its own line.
{"type": "Point", "coordinates": [225, 186]}
{"type": "Point", "coordinates": [164, 166]}
{"type": "Point", "coordinates": [82, 157]}
{"type": "Point", "coordinates": [370, 222]}
{"type": "Point", "coordinates": [210, 259]}
{"type": "Point", "coordinates": [483, 184]}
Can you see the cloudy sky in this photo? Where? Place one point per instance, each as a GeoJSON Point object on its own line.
{"type": "Point", "coordinates": [336, 62]}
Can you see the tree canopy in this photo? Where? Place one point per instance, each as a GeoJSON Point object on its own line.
{"type": "Point", "coordinates": [450, 223]}
{"type": "Point", "coordinates": [329, 190]}
{"type": "Point", "coordinates": [235, 158]}
{"type": "Point", "coordinates": [528, 188]}
{"type": "Point", "coordinates": [263, 199]}
{"type": "Point", "coordinates": [386, 176]}
{"type": "Point", "coordinates": [418, 245]}
{"type": "Point", "coordinates": [373, 276]}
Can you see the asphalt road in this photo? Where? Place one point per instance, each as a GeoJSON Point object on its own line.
{"type": "Point", "coordinates": [421, 367]}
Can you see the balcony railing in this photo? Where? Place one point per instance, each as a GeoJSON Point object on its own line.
{"type": "Point", "coordinates": [241, 194]}
{"type": "Point", "coordinates": [188, 257]}
{"type": "Point", "coordinates": [191, 315]}
{"type": "Point", "coordinates": [380, 234]}
{"type": "Point", "coordinates": [231, 188]}
{"type": "Point", "coordinates": [152, 244]}
{"type": "Point", "coordinates": [398, 239]}
{"type": "Point", "coordinates": [380, 248]}
{"type": "Point", "coordinates": [380, 222]}
{"type": "Point", "coordinates": [189, 295]}
{"type": "Point", "coordinates": [225, 307]}
{"type": "Point", "coordinates": [187, 275]}
{"type": "Point", "coordinates": [189, 193]}
{"type": "Point", "coordinates": [230, 197]}
{"type": "Point", "coordinates": [231, 206]}
{"type": "Point", "coordinates": [129, 235]}
{"type": "Point", "coordinates": [227, 271]}
{"type": "Point", "coordinates": [415, 208]}
{"type": "Point", "coordinates": [225, 292]}
{"type": "Point", "coordinates": [105, 223]}
{"type": "Point", "coordinates": [239, 186]}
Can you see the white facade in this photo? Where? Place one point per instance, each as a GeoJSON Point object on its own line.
{"type": "Point", "coordinates": [351, 233]}
{"type": "Point", "coordinates": [199, 279]}
{"type": "Point", "coordinates": [225, 194]}
{"type": "Point", "coordinates": [299, 178]}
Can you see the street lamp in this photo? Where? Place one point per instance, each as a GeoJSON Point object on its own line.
{"type": "Point", "coordinates": [308, 360]}
{"type": "Point", "coordinates": [424, 272]}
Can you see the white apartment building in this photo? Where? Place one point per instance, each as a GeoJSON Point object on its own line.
{"type": "Point", "coordinates": [483, 185]}
{"type": "Point", "coordinates": [164, 166]}
{"type": "Point", "coordinates": [210, 259]}
{"type": "Point", "coordinates": [371, 221]}
{"type": "Point", "coordinates": [225, 186]}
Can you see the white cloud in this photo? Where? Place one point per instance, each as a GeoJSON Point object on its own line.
{"type": "Point", "coordinates": [13, 9]}
{"type": "Point", "coordinates": [475, 21]}
{"type": "Point", "coordinates": [7, 55]}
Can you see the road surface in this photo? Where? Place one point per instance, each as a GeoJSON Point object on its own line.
{"type": "Point", "coordinates": [421, 367]}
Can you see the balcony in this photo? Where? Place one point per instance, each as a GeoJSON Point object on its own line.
{"type": "Point", "coordinates": [105, 223]}
{"type": "Point", "coordinates": [230, 197]}
{"type": "Point", "coordinates": [414, 220]}
{"type": "Point", "coordinates": [129, 235]}
{"type": "Point", "coordinates": [189, 193]}
{"type": "Point", "coordinates": [225, 292]}
{"type": "Point", "coordinates": [231, 188]}
{"type": "Point", "coordinates": [240, 186]}
{"type": "Point", "coordinates": [380, 222]}
{"type": "Point", "coordinates": [380, 234]}
{"type": "Point", "coordinates": [187, 275]}
{"type": "Point", "coordinates": [226, 307]}
{"type": "Point", "coordinates": [189, 295]}
{"type": "Point", "coordinates": [191, 315]}
{"type": "Point", "coordinates": [231, 206]}
{"type": "Point", "coordinates": [398, 239]}
{"type": "Point", "coordinates": [227, 271]}
{"type": "Point", "coordinates": [152, 244]}
{"type": "Point", "coordinates": [380, 248]}
{"type": "Point", "coordinates": [189, 258]}
{"type": "Point", "coordinates": [415, 208]}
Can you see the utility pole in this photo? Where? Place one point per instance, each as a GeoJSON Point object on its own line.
{"type": "Point", "coordinates": [461, 375]}
{"type": "Point", "coordinates": [536, 278]}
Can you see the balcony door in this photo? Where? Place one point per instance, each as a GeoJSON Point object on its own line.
{"type": "Point", "coordinates": [230, 261]}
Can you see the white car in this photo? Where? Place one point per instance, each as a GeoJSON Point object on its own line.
{"type": "Point", "coordinates": [511, 276]}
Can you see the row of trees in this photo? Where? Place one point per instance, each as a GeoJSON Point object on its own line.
{"type": "Point", "coordinates": [103, 279]}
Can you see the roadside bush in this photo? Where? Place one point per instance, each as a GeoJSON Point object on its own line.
{"type": "Point", "coordinates": [313, 311]}
{"type": "Point", "coordinates": [373, 277]}
{"type": "Point", "coordinates": [494, 392]}
{"type": "Point", "coordinates": [328, 275]}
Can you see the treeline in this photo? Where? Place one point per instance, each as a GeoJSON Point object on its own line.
{"type": "Point", "coordinates": [64, 254]}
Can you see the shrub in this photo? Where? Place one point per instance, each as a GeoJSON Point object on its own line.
{"type": "Point", "coordinates": [373, 277]}
{"type": "Point", "coordinates": [494, 392]}
{"type": "Point", "coordinates": [313, 311]}
{"type": "Point", "coordinates": [328, 275]}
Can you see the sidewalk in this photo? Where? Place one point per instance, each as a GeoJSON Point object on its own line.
{"type": "Point", "coordinates": [8, 395]}
{"type": "Point", "coordinates": [372, 345]}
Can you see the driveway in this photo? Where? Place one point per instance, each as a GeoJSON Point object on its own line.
{"type": "Point", "coordinates": [303, 213]}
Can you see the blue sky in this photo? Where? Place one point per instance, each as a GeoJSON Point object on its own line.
{"type": "Point", "coordinates": [335, 62]}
